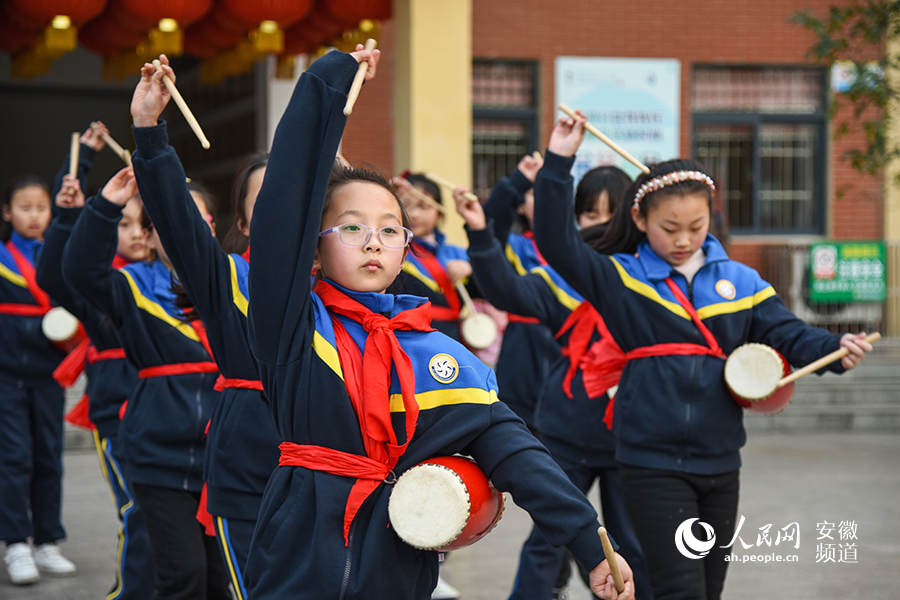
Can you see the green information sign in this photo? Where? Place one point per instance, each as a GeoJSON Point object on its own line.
{"type": "Point", "coordinates": [847, 272]}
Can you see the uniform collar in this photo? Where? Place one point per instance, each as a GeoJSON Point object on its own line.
{"type": "Point", "coordinates": [28, 247]}
{"type": "Point", "coordinates": [438, 236]}
{"type": "Point", "coordinates": [658, 269]}
{"type": "Point", "coordinates": [386, 304]}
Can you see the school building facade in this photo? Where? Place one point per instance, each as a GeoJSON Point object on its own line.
{"type": "Point", "coordinates": [753, 108]}
{"type": "Point", "coordinates": [467, 87]}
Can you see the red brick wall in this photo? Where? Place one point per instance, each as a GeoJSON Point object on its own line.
{"type": "Point", "coordinates": [736, 32]}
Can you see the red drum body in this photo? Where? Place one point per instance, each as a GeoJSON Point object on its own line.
{"type": "Point", "coordinates": [443, 504]}
{"type": "Point", "coordinates": [61, 328]}
{"type": "Point", "coordinates": [752, 373]}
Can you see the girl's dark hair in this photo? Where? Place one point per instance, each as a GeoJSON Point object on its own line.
{"type": "Point", "coordinates": [611, 179]}
{"type": "Point", "coordinates": [427, 185]}
{"type": "Point", "coordinates": [235, 241]}
{"type": "Point", "coordinates": [208, 198]}
{"type": "Point", "coordinates": [622, 235]}
{"type": "Point", "coordinates": [18, 183]}
{"type": "Point", "coordinates": [342, 175]}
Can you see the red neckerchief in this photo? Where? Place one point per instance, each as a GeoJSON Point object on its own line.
{"type": "Point", "coordinates": [367, 376]}
{"type": "Point", "coordinates": [120, 261]}
{"type": "Point", "coordinates": [602, 365]}
{"type": "Point", "coordinates": [26, 270]}
{"type": "Point", "coordinates": [529, 235]}
{"type": "Point", "coordinates": [439, 274]}
{"type": "Point", "coordinates": [246, 254]}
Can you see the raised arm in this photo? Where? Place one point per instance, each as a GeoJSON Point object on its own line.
{"type": "Point", "coordinates": [496, 278]}
{"type": "Point", "coordinates": [87, 260]}
{"type": "Point", "coordinates": [590, 274]}
{"type": "Point", "coordinates": [508, 195]}
{"type": "Point", "coordinates": [91, 143]}
{"type": "Point", "coordinates": [48, 270]}
{"type": "Point", "coordinates": [288, 211]}
{"type": "Point", "coordinates": [202, 266]}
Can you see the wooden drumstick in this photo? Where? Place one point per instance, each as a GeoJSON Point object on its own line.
{"type": "Point", "coordinates": [603, 138]}
{"type": "Point", "coordinates": [113, 145]}
{"type": "Point", "coordinates": [611, 559]}
{"type": "Point", "coordinates": [182, 105]}
{"type": "Point", "coordinates": [466, 298]}
{"type": "Point", "coordinates": [443, 182]}
{"type": "Point", "coordinates": [420, 195]}
{"type": "Point", "coordinates": [358, 80]}
{"type": "Point", "coordinates": [74, 149]}
{"type": "Point", "coordinates": [825, 360]}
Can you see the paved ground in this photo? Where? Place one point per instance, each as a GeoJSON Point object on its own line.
{"type": "Point", "coordinates": [806, 478]}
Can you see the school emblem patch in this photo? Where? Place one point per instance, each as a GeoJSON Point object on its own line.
{"type": "Point", "coordinates": [443, 368]}
{"type": "Point", "coordinates": [726, 289]}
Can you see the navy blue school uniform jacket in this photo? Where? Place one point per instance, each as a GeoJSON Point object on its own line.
{"type": "Point", "coordinates": [529, 349]}
{"type": "Point", "coordinates": [298, 549]}
{"type": "Point", "coordinates": [111, 381]}
{"type": "Point", "coordinates": [671, 412]}
{"type": "Point", "coordinates": [575, 420]}
{"type": "Point", "coordinates": [242, 449]}
{"type": "Point", "coordinates": [164, 422]}
{"type": "Point", "coordinates": [26, 354]}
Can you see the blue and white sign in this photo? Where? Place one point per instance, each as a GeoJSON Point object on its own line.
{"type": "Point", "coordinates": [634, 101]}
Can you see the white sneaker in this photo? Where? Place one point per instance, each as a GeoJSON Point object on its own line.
{"type": "Point", "coordinates": [20, 564]}
{"type": "Point", "coordinates": [50, 560]}
{"type": "Point", "coordinates": [444, 591]}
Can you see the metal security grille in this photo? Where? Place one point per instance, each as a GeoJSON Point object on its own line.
{"type": "Point", "coordinates": [761, 132]}
{"type": "Point", "coordinates": [504, 119]}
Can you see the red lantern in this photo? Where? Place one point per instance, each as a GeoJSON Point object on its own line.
{"type": "Point", "coordinates": [37, 14]}
{"type": "Point", "coordinates": [283, 12]}
{"type": "Point", "coordinates": [14, 39]}
{"type": "Point", "coordinates": [185, 12]}
{"type": "Point", "coordinates": [319, 27]}
{"type": "Point", "coordinates": [351, 12]}
{"type": "Point", "coordinates": [106, 37]}
{"type": "Point", "coordinates": [230, 20]}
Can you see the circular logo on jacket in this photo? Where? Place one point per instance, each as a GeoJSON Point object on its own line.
{"type": "Point", "coordinates": [726, 289]}
{"type": "Point", "coordinates": [443, 367]}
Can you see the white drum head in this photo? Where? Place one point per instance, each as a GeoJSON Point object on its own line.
{"type": "Point", "coordinates": [59, 325]}
{"type": "Point", "coordinates": [479, 331]}
{"type": "Point", "coordinates": [753, 371]}
{"type": "Point", "coordinates": [429, 506]}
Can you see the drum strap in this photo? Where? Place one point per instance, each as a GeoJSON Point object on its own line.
{"type": "Point", "coordinates": [602, 365]}
{"type": "Point", "coordinates": [367, 376]}
{"type": "Point", "coordinates": [520, 319]}
{"type": "Point", "coordinates": [26, 270]}
{"type": "Point", "coordinates": [439, 274]}
{"type": "Point", "coordinates": [223, 383]}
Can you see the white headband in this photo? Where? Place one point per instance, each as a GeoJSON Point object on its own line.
{"type": "Point", "coordinates": [657, 183]}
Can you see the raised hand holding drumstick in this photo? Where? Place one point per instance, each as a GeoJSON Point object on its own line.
{"type": "Point", "coordinates": [361, 74]}
{"type": "Point", "coordinates": [70, 194]}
